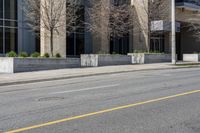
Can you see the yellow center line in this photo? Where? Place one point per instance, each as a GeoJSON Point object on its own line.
{"type": "Point", "coordinates": [101, 112]}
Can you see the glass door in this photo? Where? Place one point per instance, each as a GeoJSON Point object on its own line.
{"type": "Point", "coordinates": [157, 44]}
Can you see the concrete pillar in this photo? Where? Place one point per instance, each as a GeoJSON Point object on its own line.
{"type": "Point", "coordinates": [101, 40]}
{"type": "Point", "coordinates": [59, 40]}
{"type": "Point", "coordinates": [141, 25]}
{"type": "Point", "coordinates": [105, 38]}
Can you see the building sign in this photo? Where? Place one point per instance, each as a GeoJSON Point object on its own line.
{"type": "Point", "coordinates": [164, 26]}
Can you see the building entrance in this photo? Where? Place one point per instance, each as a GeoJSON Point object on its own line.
{"type": "Point", "coordinates": [157, 44]}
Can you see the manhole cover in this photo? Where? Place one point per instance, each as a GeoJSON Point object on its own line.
{"type": "Point", "coordinates": [50, 99]}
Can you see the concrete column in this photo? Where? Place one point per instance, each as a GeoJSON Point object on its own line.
{"type": "Point", "coordinates": [141, 25]}
{"type": "Point", "coordinates": [59, 40]}
{"type": "Point", "coordinates": [105, 38]}
{"type": "Point", "coordinates": [101, 40]}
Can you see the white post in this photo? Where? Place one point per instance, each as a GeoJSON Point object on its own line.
{"type": "Point", "coordinates": [173, 32]}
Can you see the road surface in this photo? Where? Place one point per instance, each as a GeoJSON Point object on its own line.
{"type": "Point", "coordinates": [156, 101]}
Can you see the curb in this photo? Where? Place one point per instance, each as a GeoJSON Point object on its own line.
{"type": "Point", "coordinates": [88, 75]}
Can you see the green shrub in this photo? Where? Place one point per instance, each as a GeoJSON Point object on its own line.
{"type": "Point", "coordinates": [35, 55]}
{"type": "Point", "coordinates": [46, 55]}
{"type": "Point", "coordinates": [23, 55]}
{"type": "Point", "coordinates": [58, 55]}
{"type": "Point", "coordinates": [11, 54]}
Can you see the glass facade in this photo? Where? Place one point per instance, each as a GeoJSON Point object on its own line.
{"type": "Point", "coordinates": [75, 40]}
{"type": "Point", "coordinates": [120, 45]}
{"type": "Point", "coordinates": [1, 40]}
{"type": "Point", "coordinates": [196, 2]}
{"type": "Point", "coordinates": [1, 26]}
{"type": "Point", "coordinates": [8, 26]}
{"type": "Point", "coordinates": [1, 9]}
{"type": "Point", "coordinates": [10, 39]}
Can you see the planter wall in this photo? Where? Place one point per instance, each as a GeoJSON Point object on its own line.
{"type": "Point", "coordinates": [191, 57]}
{"type": "Point", "coordinates": [145, 58]}
{"type": "Point", "coordinates": [94, 60]}
{"type": "Point", "coordinates": [13, 65]}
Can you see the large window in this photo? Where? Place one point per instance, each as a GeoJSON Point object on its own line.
{"type": "Point", "coordinates": [75, 40]}
{"type": "Point", "coordinates": [190, 1]}
{"type": "Point", "coordinates": [119, 44]}
{"type": "Point", "coordinates": [1, 40]}
{"type": "Point", "coordinates": [8, 26]}
{"type": "Point", "coordinates": [10, 9]}
{"type": "Point", "coordinates": [1, 9]}
{"type": "Point", "coordinates": [10, 39]}
{"type": "Point", "coordinates": [1, 26]}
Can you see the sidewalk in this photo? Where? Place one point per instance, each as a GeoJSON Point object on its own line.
{"type": "Point", "coordinates": [39, 76]}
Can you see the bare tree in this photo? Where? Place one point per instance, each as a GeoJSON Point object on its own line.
{"type": "Point", "coordinates": [105, 15]}
{"type": "Point", "coordinates": [158, 10]}
{"type": "Point", "coordinates": [121, 19]}
{"type": "Point", "coordinates": [73, 15]}
{"type": "Point", "coordinates": [51, 15]}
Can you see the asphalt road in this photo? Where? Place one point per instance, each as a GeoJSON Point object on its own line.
{"type": "Point", "coordinates": [162, 101]}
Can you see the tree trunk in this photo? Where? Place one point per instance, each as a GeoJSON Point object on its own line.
{"type": "Point", "coordinates": [51, 42]}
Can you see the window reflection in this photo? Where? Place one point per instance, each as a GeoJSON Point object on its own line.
{"type": "Point", "coordinates": [10, 9]}
{"type": "Point", "coordinates": [8, 26]}
{"type": "Point", "coordinates": [75, 40]}
{"type": "Point", "coordinates": [1, 40]}
{"type": "Point", "coordinates": [10, 39]}
{"type": "Point", "coordinates": [1, 9]}
{"type": "Point", "coordinates": [1, 23]}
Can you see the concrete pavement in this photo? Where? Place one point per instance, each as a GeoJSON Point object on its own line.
{"type": "Point", "coordinates": [29, 77]}
{"type": "Point", "coordinates": [26, 105]}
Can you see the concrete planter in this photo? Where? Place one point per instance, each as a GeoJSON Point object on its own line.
{"type": "Point", "coordinates": [95, 60]}
{"type": "Point", "coordinates": [145, 58]}
{"type": "Point", "coordinates": [191, 57]}
{"type": "Point", "coordinates": [14, 65]}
